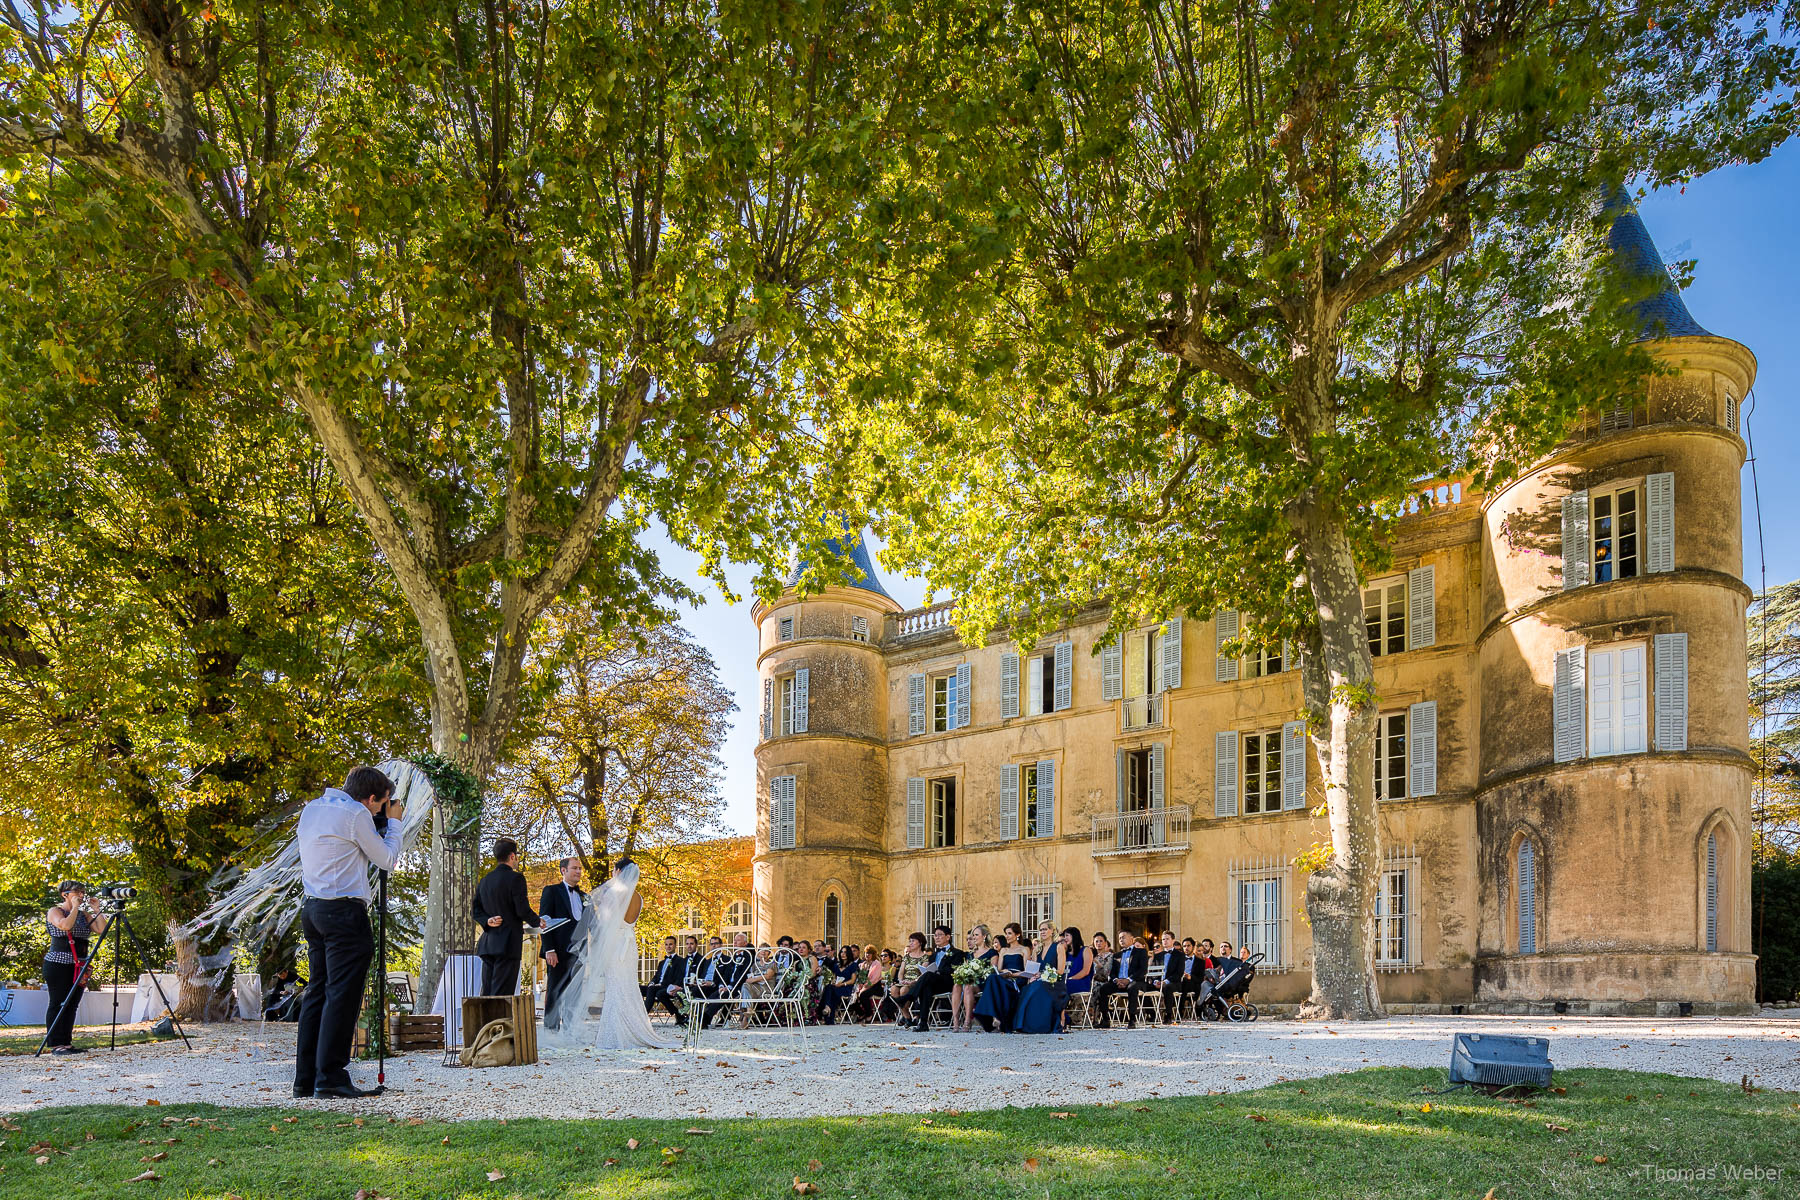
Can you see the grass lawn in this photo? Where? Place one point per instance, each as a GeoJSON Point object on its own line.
{"type": "Point", "coordinates": [27, 1042]}
{"type": "Point", "coordinates": [1369, 1133]}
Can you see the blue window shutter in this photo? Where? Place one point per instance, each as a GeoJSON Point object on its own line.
{"type": "Point", "coordinates": [1065, 675]}
{"type": "Point", "coordinates": [1659, 523]}
{"type": "Point", "coordinates": [1569, 705]}
{"type": "Point", "coordinates": [1009, 802]}
{"type": "Point", "coordinates": [1671, 668]}
{"type": "Point", "coordinates": [915, 705]}
{"type": "Point", "coordinates": [1046, 797]}
{"type": "Point", "coordinates": [1293, 765]}
{"type": "Point", "coordinates": [1009, 685]}
{"type": "Point", "coordinates": [801, 676]}
{"type": "Point", "coordinates": [961, 716]}
{"type": "Point", "coordinates": [1421, 602]}
{"type": "Point", "coordinates": [1171, 655]}
{"type": "Point", "coordinates": [1575, 546]}
{"type": "Point", "coordinates": [915, 814]}
{"type": "Point", "coordinates": [1112, 670]}
{"type": "Point", "coordinates": [768, 714]}
{"type": "Point", "coordinates": [1225, 774]}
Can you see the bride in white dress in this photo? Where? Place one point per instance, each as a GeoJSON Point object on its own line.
{"type": "Point", "coordinates": [606, 975]}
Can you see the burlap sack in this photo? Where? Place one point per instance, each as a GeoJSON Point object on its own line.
{"type": "Point", "coordinates": [492, 1045]}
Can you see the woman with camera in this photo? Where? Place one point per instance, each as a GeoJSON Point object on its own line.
{"type": "Point", "coordinates": [72, 922]}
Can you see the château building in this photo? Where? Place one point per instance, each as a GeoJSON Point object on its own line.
{"type": "Point", "coordinates": [1563, 766]}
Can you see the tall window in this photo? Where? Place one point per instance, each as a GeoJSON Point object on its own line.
{"type": "Point", "coordinates": [1030, 809]}
{"type": "Point", "coordinates": [1390, 756]}
{"type": "Point", "coordinates": [942, 818]}
{"type": "Point", "coordinates": [1394, 918]}
{"type": "Point", "coordinates": [737, 917]}
{"type": "Point", "coordinates": [1143, 662]}
{"type": "Point", "coordinates": [1262, 772]}
{"type": "Point", "coordinates": [859, 628]}
{"type": "Point", "coordinates": [1035, 908]}
{"type": "Point", "coordinates": [939, 912]}
{"type": "Point", "coordinates": [1040, 683]}
{"type": "Point", "coordinates": [943, 711]}
{"type": "Point", "coordinates": [1258, 917]}
{"type": "Point", "coordinates": [1613, 517]}
{"type": "Point", "coordinates": [1616, 708]}
{"type": "Point", "coordinates": [1384, 615]}
{"type": "Point", "coordinates": [1712, 892]}
{"type": "Point", "coordinates": [1136, 794]}
{"type": "Point", "coordinates": [787, 705]}
{"type": "Point", "coordinates": [1527, 889]}
{"type": "Point", "coordinates": [787, 629]}
{"type": "Point", "coordinates": [693, 918]}
{"type": "Point", "coordinates": [834, 919]}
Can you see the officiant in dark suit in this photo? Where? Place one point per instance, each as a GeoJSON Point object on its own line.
{"type": "Point", "coordinates": [663, 985]}
{"type": "Point", "coordinates": [502, 910]}
{"type": "Point", "coordinates": [565, 899]}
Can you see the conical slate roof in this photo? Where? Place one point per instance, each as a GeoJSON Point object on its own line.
{"type": "Point", "coordinates": [1663, 314]}
{"type": "Point", "coordinates": [851, 546]}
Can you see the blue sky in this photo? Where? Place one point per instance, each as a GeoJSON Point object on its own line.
{"type": "Point", "coordinates": [1738, 227]}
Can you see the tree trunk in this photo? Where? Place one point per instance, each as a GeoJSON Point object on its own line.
{"type": "Point", "coordinates": [1337, 677]}
{"type": "Point", "coordinates": [194, 993]}
{"type": "Point", "coordinates": [449, 929]}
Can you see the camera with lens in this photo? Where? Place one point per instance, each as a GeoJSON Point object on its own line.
{"type": "Point", "coordinates": [116, 893]}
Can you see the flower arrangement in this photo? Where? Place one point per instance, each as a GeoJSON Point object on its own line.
{"type": "Point", "coordinates": [1050, 975]}
{"type": "Point", "coordinates": [971, 972]}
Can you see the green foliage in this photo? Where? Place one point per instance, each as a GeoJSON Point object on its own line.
{"type": "Point", "coordinates": [1773, 628]}
{"type": "Point", "coordinates": [457, 790]}
{"type": "Point", "coordinates": [1364, 1133]}
{"type": "Point", "coordinates": [1775, 926]}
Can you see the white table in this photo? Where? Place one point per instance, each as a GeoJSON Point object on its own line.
{"type": "Point", "coordinates": [461, 979]}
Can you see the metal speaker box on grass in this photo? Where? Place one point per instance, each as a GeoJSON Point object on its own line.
{"type": "Point", "coordinates": [1497, 1060]}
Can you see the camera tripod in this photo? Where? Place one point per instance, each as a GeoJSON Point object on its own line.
{"type": "Point", "coordinates": [119, 925]}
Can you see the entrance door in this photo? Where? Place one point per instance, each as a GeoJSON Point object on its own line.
{"type": "Point", "coordinates": [1143, 911]}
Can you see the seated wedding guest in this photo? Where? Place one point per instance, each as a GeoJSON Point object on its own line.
{"type": "Point", "coordinates": [670, 970]}
{"type": "Point", "coordinates": [1192, 973]}
{"type": "Point", "coordinates": [963, 995]}
{"type": "Point", "coordinates": [1081, 963]}
{"type": "Point", "coordinates": [813, 978]}
{"type": "Point", "coordinates": [733, 967]}
{"type": "Point", "coordinates": [936, 979]}
{"type": "Point", "coordinates": [1127, 980]}
{"type": "Point", "coordinates": [1041, 1004]}
{"type": "Point", "coordinates": [279, 1002]}
{"type": "Point", "coordinates": [1103, 962]}
{"type": "Point", "coordinates": [866, 985]}
{"type": "Point", "coordinates": [903, 990]}
{"type": "Point", "coordinates": [1000, 991]}
{"type": "Point", "coordinates": [1171, 960]}
{"type": "Point", "coordinates": [842, 982]}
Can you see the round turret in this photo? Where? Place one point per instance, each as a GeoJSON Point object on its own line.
{"type": "Point", "coordinates": [1614, 795]}
{"type": "Point", "coordinates": [820, 868]}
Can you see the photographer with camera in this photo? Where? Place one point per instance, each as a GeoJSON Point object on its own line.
{"type": "Point", "coordinates": [341, 835]}
{"type": "Point", "coordinates": [72, 922]}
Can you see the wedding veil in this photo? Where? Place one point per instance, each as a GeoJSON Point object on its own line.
{"type": "Point", "coordinates": [600, 933]}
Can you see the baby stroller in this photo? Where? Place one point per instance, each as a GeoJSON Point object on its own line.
{"type": "Point", "coordinates": [1225, 998]}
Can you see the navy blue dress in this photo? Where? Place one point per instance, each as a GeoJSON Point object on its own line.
{"type": "Point", "coordinates": [1041, 1006]}
{"type": "Point", "coordinates": [1000, 995]}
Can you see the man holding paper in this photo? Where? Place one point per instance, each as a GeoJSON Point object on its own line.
{"type": "Point", "coordinates": [563, 899]}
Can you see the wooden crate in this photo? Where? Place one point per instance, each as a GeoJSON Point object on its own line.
{"type": "Point", "coordinates": [479, 1010]}
{"type": "Point", "coordinates": [409, 1032]}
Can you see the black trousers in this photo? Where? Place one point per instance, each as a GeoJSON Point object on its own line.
{"type": "Point", "coordinates": [556, 980]}
{"type": "Point", "coordinates": [1112, 987]}
{"type": "Point", "coordinates": [59, 1018]}
{"type": "Point", "coordinates": [925, 992]}
{"type": "Point", "coordinates": [655, 994]}
{"type": "Point", "coordinates": [500, 974]}
{"type": "Point", "coordinates": [339, 948]}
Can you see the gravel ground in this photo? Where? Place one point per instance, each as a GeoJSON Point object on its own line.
{"type": "Point", "coordinates": [878, 1069]}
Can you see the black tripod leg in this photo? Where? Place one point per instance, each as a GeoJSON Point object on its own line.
{"type": "Point", "coordinates": [143, 962]}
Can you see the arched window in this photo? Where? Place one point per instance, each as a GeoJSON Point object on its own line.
{"type": "Point", "coordinates": [1527, 881]}
{"type": "Point", "coordinates": [737, 917]}
{"type": "Point", "coordinates": [834, 920]}
{"type": "Point", "coordinates": [1712, 891]}
{"type": "Point", "coordinates": [693, 918]}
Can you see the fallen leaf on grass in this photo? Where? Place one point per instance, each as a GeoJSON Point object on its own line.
{"type": "Point", "coordinates": [446, 1141]}
{"type": "Point", "coordinates": [632, 1144]}
{"type": "Point", "coordinates": [9, 1125]}
{"type": "Point", "coordinates": [144, 1178]}
{"type": "Point", "coordinates": [1553, 1127]}
{"type": "Point", "coordinates": [611, 1162]}
{"type": "Point", "coordinates": [704, 1132]}
{"type": "Point", "coordinates": [368, 1194]}
{"type": "Point", "coordinates": [1062, 1116]}
{"type": "Point", "coordinates": [157, 1157]}
{"type": "Point", "coordinates": [1031, 1164]}
{"type": "Point", "coordinates": [1424, 1108]}
{"type": "Point", "coordinates": [805, 1187]}
{"type": "Point", "coordinates": [813, 1164]}
{"type": "Point", "coordinates": [1601, 1158]}
{"type": "Point", "coordinates": [1489, 1195]}
{"type": "Point", "coordinates": [496, 1175]}
{"type": "Point", "coordinates": [356, 1121]}
{"type": "Point", "coordinates": [1256, 1116]}
{"type": "Point", "coordinates": [153, 1104]}
{"type": "Point", "coordinates": [212, 1162]}
{"type": "Point", "coordinates": [41, 1159]}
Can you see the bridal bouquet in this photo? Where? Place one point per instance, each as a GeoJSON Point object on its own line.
{"type": "Point", "coordinates": [1050, 975]}
{"type": "Point", "coordinates": [971, 972]}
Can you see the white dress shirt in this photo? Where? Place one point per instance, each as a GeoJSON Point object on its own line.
{"type": "Point", "coordinates": [574, 902]}
{"type": "Point", "coordinates": [338, 843]}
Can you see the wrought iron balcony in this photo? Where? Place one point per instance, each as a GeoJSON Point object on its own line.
{"type": "Point", "coordinates": [1140, 712]}
{"type": "Point", "coordinates": [1155, 831]}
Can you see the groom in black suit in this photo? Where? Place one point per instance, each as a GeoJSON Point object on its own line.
{"type": "Point", "coordinates": [502, 911]}
{"type": "Point", "coordinates": [564, 898]}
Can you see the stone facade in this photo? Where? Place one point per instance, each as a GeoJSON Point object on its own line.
{"type": "Point", "coordinates": [1570, 759]}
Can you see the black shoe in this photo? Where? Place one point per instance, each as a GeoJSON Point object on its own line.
{"type": "Point", "coordinates": [302, 1093]}
{"type": "Point", "coordinates": [345, 1091]}
{"type": "Point", "coordinates": [68, 1049]}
